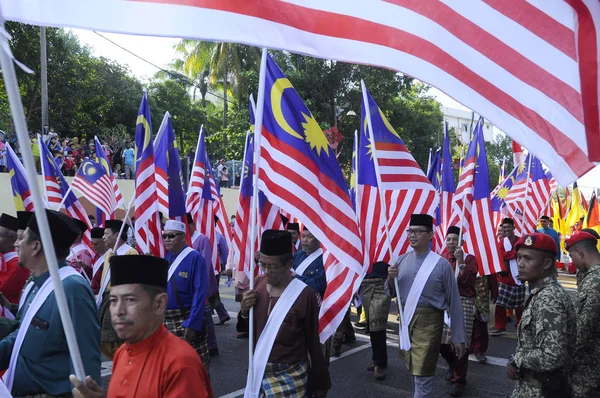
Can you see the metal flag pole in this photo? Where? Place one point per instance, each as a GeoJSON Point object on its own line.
{"type": "Point", "coordinates": [16, 108]}
{"type": "Point", "coordinates": [124, 221]}
{"type": "Point", "coordinates": [381, 195]}
{"type": "Point", "coordinates": [254, 201]}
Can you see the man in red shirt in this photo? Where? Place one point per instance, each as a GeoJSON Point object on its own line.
{"type": "Point", "coordinates": [152, 363]}
{"type": "Point", "coordinates": [511, 292]}
{"type": "Point", "coordinates": [12, 276]}
{"type": "Point", "coordinates": [465, 269]}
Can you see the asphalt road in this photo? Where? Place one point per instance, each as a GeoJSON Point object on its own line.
{"type": "Point", "coordinates": [348, 372]}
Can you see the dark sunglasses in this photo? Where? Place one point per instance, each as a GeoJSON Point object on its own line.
{"type": "Point", "coordinates": [171, 236]}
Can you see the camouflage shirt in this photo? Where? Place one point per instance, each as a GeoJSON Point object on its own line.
{"type": "Point", "coordinates": [546, 335]}
{"type": "Point", "coordinates": [586, 370]}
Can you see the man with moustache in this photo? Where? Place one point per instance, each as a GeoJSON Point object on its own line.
{"type": "Point", "coordinates": [152, 363]}
{"type": "Point", "coordinates": [427, 288]}
{"type": "Point", "coordinates": [286, 326]}
{"type": "Point", "coordinates": [187, 288]}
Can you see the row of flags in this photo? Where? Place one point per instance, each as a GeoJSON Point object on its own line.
{"type": "Point", "coordinates": [159, 187]}
{"type": "Point", "coordinates": [299, 176]}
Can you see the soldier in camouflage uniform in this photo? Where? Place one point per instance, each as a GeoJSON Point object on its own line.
{"type": "Point", "coordinates": [547, 331]}
{"type": "Point", "coordinates": [586, 370]}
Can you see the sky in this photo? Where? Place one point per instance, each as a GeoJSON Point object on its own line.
{"type": "Point", "coordinates": [159, 51]}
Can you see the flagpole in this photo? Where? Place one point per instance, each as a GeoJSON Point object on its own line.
{"type": "Point", "coordinates": [526, 195]}
{"type": "Point", "coordinates": [125, 221]}
{"type": "Point", "coordinates": [16, 108]}
{"type": "Point", "coordinates": [254, 202]}
{"type": "Point", "coordinates": [62, 202]}
{"type": "Point", "coordinates": [381, 195]}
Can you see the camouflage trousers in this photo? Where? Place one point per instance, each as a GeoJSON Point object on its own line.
{"type": "Point", "coordinates": [525, 389]}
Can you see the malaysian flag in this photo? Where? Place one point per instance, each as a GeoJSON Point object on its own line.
{"type": "Point", "coordinates": [18, 181]}
{"type": "Point", "coordinates": [200, 197]}
{"type": "Point", "coordinates": [434, 175]}
{"type": "Point", "coordinates": [353, 169]}
{"type": "Point", "coordinates": [299, 173]}
{"type": "Point", "coordinates": [56, 187]}
{"type": "Point", "coordinates": [447, 190]}
{"type": "Point", "coordinates": [148, 228]}
{"type": "Point", "coordinates": [103, 160]}
{"type": "Point", "coordinates": [478, 232]}
{"type": "Point", "coordinates": [161, 164]}
{"type": "Point", "coordinates": [518, 155]}
{"type": "Point", "coordinates": [93, 182]}
{"type": "Point", "coordinates": [242, 247]}
{"type": "Point", "coordinates": [537, 197]}
{"type": "Point", "coordinates": [168, 167]}
{"type": "Point", "coordinates": [532, 67]}
{"type": "Point", "coordinates": [406, 188]}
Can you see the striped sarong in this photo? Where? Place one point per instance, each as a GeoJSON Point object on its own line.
{"type": "Point", "coordinates": [285, 380]}
{"type": "Point", "coordinates": [511, 297]}
{"type": "Point", "coordinates": [468, 309]}
{"type": "Point", "coordinates": [174, 323]}
{"type": "Point", "coordinates": [375, 303]}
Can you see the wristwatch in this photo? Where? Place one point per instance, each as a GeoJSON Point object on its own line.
{"type": "Point", "coordinates": [462, 266]}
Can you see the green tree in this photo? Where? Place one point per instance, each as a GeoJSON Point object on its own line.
{"type": "Point", "coordinates": [85, 93]}
{"type": "Point", "coordinates": [220, 63]}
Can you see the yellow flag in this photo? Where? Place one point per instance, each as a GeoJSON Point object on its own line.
{"type": "Point", "coordinates": [576, 210]}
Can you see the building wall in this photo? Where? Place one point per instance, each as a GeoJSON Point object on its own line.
{"type": "Point", "coordinates": [461, 121]}
{"type": "Point", "coordinates": [7, 204]}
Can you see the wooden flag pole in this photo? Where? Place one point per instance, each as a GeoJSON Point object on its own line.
{"type": "Point", "coordinates": [381, 195]}
{"type": "Point", "coordinates": [16, 108]}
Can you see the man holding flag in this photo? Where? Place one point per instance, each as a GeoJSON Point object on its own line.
{"type": "Point", "coordinates": [427, 288]}
{"type": "Point", "coordinates": [36, 355]}
{"type": "Point", "coordinates": [286, 326]}
{"type": "Point", "coordinates": [511, 291]}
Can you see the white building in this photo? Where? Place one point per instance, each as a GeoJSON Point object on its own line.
{"type": "Point", "coordinates": [461, 121]}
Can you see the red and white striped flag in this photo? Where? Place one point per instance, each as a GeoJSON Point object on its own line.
{"type": "Point", "coordinates": [406, 187]}
{"type": "Point", "coordinates": [299, 173]}
{"type": "Point", "coordinates": [478, 230]}
{"type": "Point", "coordinates": [93, 182]}
{"type": "Point", "coordinates": [532, 67]}
{"type": "Point", "coordinates": [148, 225]}
{"type": "Point", "coordinates": [201, 196]}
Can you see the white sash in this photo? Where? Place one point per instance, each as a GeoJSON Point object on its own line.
{"type": "Point", "coordinates": [75, 250]}
{"type": "Point", "coordinates": [98, 264]}
{"type": "Point", "coordinates": [269, 333]}
{"type": "Point", "coordinates": [308, 261]}
{"type": "Point", "coordinates": [413, 297]}
{"type": "Point", "coordinates": [24, 294]}
{"type": "Point", "coordinates": [36, 304]}
{"type": "Point", "coordinates": [180, 257]}
{"type": "Point", "coordinates": [120, 252]}
{"type": "Point", "coordinates": [514, 271]}
{"type": "Point", "coordinates": [9, 256]}
{"type": "Point", "coordinates": [195, 237]}
{"type": "Point", "coordinates": [4, 393]}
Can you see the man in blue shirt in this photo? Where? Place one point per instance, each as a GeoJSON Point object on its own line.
{"type": "Point", "coordinates": [187, 285]}
{"type": "Point", "coordinates": [43, 363]}
{"type": "Point", "coordinates": [308, 264]}
{"type": "Point", "coordinates": [129, 161]}
{"type": "Point", "coordinates": [545, 221]}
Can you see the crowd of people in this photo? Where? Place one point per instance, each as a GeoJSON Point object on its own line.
{"type": "Point", "coordinates": [153, 317]}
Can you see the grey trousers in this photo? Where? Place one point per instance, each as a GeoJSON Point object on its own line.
{"type": "Point", "coordinates": [423, 386]}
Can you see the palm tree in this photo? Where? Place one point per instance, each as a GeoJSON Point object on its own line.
{"type": "Point", "coordinates": [215, 64]}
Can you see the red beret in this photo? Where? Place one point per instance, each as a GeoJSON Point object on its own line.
{"type": "Point", "coordinates": [537, 241]}
{"type": "Point", "coordinates": [579, 237]}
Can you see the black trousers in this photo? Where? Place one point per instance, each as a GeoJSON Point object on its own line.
{"type": "Point", "coordinates": [379, 347]}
